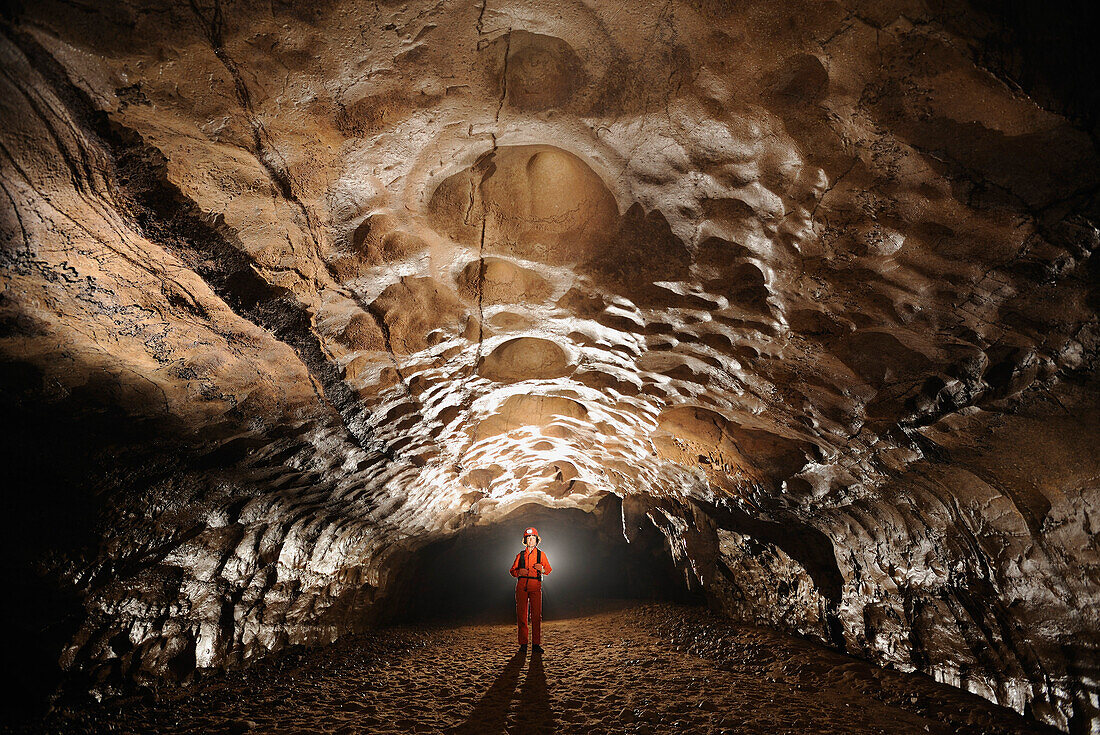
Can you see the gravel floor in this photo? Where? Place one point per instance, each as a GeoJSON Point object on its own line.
{"type": "Point", "coordinates": [640, 668]}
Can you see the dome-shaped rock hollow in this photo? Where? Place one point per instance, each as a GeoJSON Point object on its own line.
{"type": "Point", "coordinates": [379, 239]}
{"type": "Point", "coordinates": [537, 202]}
{"type": "Point", "coordinates": [536, 71]}
{"type": "Point", "coordinates": [525, 358]}
{"type": "Point", "coordinates": [530, 410]}
{"type": "Point", "coordinates": [777, 321]}
{"type": "Point", "coordinates": [500, 281]}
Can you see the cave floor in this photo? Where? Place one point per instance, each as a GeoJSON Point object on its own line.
{"type": "Point", "coordinates": [630, 668]}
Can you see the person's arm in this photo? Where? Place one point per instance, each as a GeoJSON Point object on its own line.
{"type": "Point", "coordinates": [514, 571]}
{"type": "Point", "coordinates": [545, 565]}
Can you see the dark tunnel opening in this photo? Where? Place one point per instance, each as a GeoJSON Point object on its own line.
{"type": "Point", "coordinates": [465, 578]}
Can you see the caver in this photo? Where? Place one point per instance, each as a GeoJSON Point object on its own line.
{"type": "Point", "coordinates": [528, 569]}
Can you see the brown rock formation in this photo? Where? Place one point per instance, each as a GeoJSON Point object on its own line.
{"type": "Point", "coordinates": [291, 291]}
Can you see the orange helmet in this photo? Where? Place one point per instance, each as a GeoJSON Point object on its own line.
{"type": "Point", "coordinates": [532, 531]}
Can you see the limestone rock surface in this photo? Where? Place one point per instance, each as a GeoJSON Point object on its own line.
{"type": "Point", "coordinates": [290, 290]}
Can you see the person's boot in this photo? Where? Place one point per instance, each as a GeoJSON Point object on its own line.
{"type": "Point", "coordinates": [523, 648]}
{"type": "Point", "coordinates": [537, 648]}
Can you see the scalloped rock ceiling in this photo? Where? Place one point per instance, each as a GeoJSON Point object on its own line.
{"type": "Point", "coordinates": [803, 284]}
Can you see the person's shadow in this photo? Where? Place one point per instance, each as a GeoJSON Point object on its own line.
{"type": "Point", "coordinates": [491, 713]}
{"type": "Point", "coordinates": [534, 717]}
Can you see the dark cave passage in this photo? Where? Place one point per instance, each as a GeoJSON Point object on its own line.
{"type": "Point", "coordinates": [464, 578]}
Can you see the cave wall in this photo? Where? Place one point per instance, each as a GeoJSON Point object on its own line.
{"type": "Point", "coordinates": [290, 292]}
{"type": "Point", "coordinates": [976, 567]}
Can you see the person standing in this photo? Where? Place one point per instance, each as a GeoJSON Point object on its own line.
{"type": "Point", "coordinates": [528, 568]}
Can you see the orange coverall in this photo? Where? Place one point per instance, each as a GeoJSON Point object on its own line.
{"type": "Point", "coordinates": [529, 592]}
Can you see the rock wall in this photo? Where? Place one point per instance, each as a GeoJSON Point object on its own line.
{"type": "Point", "coordinates": [290, 292]}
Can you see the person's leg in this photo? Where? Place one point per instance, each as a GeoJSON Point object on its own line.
{"type": "Point", "coordinates": [521, 614]}
{"type": "Point", "coordinates": [536, 616]}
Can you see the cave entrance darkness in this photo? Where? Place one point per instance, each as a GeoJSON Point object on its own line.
{"type": "Point", "coordinates": [464, 578]}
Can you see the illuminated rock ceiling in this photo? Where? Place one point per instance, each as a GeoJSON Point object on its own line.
{"type": "Point", "coordinates": [310, 285]}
